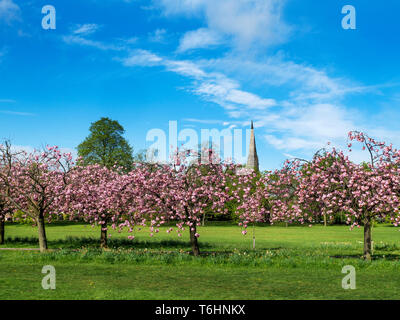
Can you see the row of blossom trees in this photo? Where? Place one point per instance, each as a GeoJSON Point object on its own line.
{"type": "Point", "coordinates": [44, 184]}
{"type": "Point", "coordinates": [304, 191]}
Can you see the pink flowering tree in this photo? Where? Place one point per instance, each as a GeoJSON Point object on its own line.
{"type": "Point", "coordinates": [379, 152]}
{"type": "Point", "coordinates": [247, 190]}
{"type": "Point", "coordinates": [270, 197]}
{"type": "Point", "coordinates": [95, 195]}
{"type": "Point", "coordinates": [362, 192]}
{"type": "Point", "coordinates": [8, 157]}
{"type": "Point", "coordinates": [35, 182]}
{"type": "Point", "coordinates": [181, 192]}
{"type": "Point", "coordinates": [281, 192]}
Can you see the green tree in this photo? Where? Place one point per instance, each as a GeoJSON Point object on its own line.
{"type": "Point", "coordinates": [106, 145]}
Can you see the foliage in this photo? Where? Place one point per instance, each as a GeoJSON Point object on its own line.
{"type": "Point", "coordinates": [106, 145]}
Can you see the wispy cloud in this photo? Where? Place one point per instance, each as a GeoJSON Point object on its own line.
{"type": "Point", "coordinates": [78, 40]}
{"type": "Point", "coordinates": [240, 23]}
{"type": "Point", "coordinates": [85, 29]}
{"type": "Point", "coordinates": [297, 106]}
{"type": "Point", "coordinates": [214, 87]}
{"type": "Point", "coordinates": [200, 38]}
{"type": "Point", "coordinates": [229, 124]}
{"type": "Point", "coordinates": [158, 35]}
{"type": "Point", "coordinates": [141, 58]}
{"type": "Point", "coordinates": [7, 101]}
{"type": "Point", "coordinates": [9, 11]}
{"type": "Point", "coordinates": [80, 35]}
{"type": "Point", "coordinates": [17, 113]}
{"type": "Point", "coordinates": [204, 121]}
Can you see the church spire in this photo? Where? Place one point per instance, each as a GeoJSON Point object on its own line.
{"type": "Point", "coordinates": [252, 160]}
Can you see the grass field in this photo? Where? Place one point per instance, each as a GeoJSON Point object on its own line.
{"type": "Point", "coordinates": [297, 262]}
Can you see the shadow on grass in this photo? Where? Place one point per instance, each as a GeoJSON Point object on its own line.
{"type": "Point", "coordinates": [377, 257]}
{"type": "Point", "coordinates": [78, 242]}
{"type": "Point", "coordinates": [248, 252]}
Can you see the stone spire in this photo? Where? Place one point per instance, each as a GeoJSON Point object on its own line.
{"type": "Point", "coordinates": [252, 160]}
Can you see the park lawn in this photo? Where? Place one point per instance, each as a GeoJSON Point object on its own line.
{"type": "Point", "coordinates": [294, 263]}
{"type": "Point", "coordinates": [217, 235]}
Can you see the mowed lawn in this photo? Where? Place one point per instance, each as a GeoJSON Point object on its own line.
{"type": "Point", "coordinates": [297, 262]}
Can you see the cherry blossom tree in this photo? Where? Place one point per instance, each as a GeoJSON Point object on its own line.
{"type": "Point", "coordinates": [304, 191]}
{"type": "Point", "coordinates": [270, 197]}
{"type": "Point", "coordinates": [364, 193]}
{"type": "Point", "coordinates": [7, 159]}
{"type": "Point", "coordinates": [379, 152]}
{"type": "Point", "coordinates": [34, 184]}
{"type": "Point", "coordinates": [181, 191]}
{"type": "Point", "coordinates": [94, 194]}
{"type": "Point", "coordinates": [247, 188]}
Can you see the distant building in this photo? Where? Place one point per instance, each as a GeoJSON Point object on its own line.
{"type": "Point", "coordinates": [252, 160]}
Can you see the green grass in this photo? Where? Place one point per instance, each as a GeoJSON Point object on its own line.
{"type": "Point", "coordinates": [297, 262]}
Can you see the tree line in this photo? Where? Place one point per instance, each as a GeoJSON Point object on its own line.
{"type": "Point", "coordinates": [47, 184]}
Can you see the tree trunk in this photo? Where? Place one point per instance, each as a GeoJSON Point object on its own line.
{"type": "Point", "coordinates": [1, 230]}
{"type": "Point", "coordinates": [254, 236]}
{"type": "Point", "coordinates": [324, 220]}
{"type": "Point", "coordinates": [103, 236]}
{"type": "Point", "coordinates": [367, 239]}
{"type": "Point", "coordinates": [42, 233]}
{"type": "Point", "coordinates": [204, 217]}
{"type": "Point", "coordinates": [193, 240]}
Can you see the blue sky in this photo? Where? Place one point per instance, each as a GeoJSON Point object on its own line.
{"type": "Point", "coordinates": [288, 65]}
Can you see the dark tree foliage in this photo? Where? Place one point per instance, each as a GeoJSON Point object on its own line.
{"type": "Point", "coordinates": [106, 145]}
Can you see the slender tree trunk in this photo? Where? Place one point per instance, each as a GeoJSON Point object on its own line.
{"type": "Point", "coordinates": [254, 236]}
{"type": "Point", "coordinates": [204, 217]}
{"type": "Point", "coordinates": [103, 236]}
{"type": "Point", "coordinates": [193, 240]}
{"type": "Point", "coordinates": [367, 239]}
{"type": "Point", "coordinates": [325, 221]}
{"type": "Point", "coordinates": [42, 233]}
{"type": "Point", "coordinates": [1, 230]}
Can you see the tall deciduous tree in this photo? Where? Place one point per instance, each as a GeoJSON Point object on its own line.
{"type": "Point", "coordinates": [106, 145]}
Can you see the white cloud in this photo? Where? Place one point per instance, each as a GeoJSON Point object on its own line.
{"type": "Point", "coordinates": [9, 11]}
{"type": "Point", "coordinates": [17, 113]}
{"type": "Point", "coordinates": [241, 22]}
{"type": "Point", "coordinates": [321, 120]}
{"type": "Point", "coordinates": [297, 106]}
{"type": "Point", "coordinates": [308, 128]}
{"type": "Point", "coordinates": [171, 7]}
{"type": "Point", "coordinates": [85, 29]}
{"type": "Point", "coordinates": [142, 58]}
{"type": "Point", "coordinates": [302, 82]}
{"type": "Point", "coordinates": [302, 121]}
{"type": "Point", "coordinates": [72, 39]}
{"type": "Point", "coordinates": [213, 87]}
{"type": "Point", "coordinates": [200, 38]}
{"type": "Point", "coordinates": [225, 92]}
{"type": "Point", "coordinates": [185, 68]}
{"type": "Point", "coordinates": [293, 143]}
{"type": "Point", "coordinates": [204, 121]}
{"type": "Point", "coordinates": [158, 35]}
{"type": "Point", "coordinates": [131, 40]}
